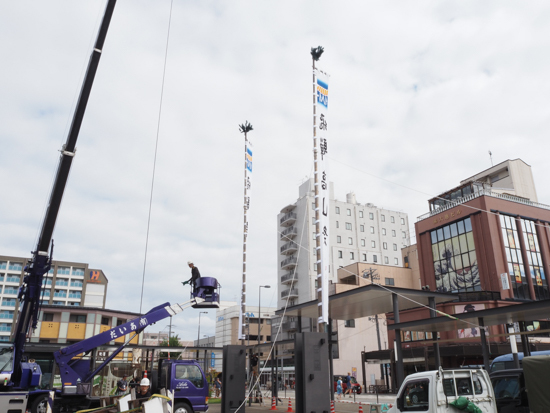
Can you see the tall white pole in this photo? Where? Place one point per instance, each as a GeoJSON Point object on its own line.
{"type": "Point", "coordinates": [245, 128]}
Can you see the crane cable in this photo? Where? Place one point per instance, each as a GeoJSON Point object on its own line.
{"type": "Point", "coordinates": [155, 157]}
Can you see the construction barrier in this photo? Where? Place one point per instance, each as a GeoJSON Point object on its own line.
{"type": "Point", "coordinates": [289, 410]}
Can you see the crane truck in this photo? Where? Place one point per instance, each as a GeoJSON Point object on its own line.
{"type": "Point", "coordinates": [20, 376]}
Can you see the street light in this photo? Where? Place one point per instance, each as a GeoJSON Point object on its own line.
{"type": "Point", "coordinates": [199, 333]}
{"type": "Point", "coordinates": [260, 309]}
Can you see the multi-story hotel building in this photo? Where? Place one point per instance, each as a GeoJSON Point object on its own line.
{"type": "Point", "coordinates": [66, 284]}
{"type": "Point", "coordinates": [358, 233]}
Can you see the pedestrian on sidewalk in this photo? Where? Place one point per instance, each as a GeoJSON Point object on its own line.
{"type": "Point", "coordinates": [339, 388]}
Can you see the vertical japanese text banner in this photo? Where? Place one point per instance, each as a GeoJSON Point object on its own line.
{"type": "Point", "coordinates": [322, 108]}
{"type": "Point", "coordinates": [247, 192]}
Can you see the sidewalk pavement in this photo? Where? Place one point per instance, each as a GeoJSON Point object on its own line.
{"type": "Point", "coordinates": [355, 398]}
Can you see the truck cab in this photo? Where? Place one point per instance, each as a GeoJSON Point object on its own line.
{"type": "Point", "coordinates": [188, 382]}
{"type": "Point", "coordinates": [433, 391]}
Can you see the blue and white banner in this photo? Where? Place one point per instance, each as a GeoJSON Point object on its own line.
{"type": "Point", "coordinates": [321, 147]}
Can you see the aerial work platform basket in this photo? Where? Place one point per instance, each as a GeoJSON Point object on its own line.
{"type": "Point", "coordinates": [208, 289]}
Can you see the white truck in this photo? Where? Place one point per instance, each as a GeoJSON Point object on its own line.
{"type": "Point", "coordinates": [437, 391]}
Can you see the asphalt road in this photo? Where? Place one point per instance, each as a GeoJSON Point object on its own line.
{"type": "Point", "coordinates": [345, 406]}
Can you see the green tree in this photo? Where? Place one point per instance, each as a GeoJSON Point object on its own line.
{"type": "Point", "coordinates": [174, 341]}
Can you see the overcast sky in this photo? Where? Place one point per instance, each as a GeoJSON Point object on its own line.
{"type": "Point", "coordinates": [419, 93]}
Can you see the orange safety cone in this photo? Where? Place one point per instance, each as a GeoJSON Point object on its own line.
{"type": "Point", "coordinates": [273, 406]}
{"type": "Point", "coordinates": [289, 410]}
{"type": "Point", "coordinates": [360, 408]}
{"type": "Point", "coordinates": [145, 374]}
{"type": "Point", "coordinates": [332, 407]}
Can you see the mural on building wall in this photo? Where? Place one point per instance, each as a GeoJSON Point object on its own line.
{"type": "Point", "coordinates": [452, 275]}
{"type": "Point", "coordinates": [454, 256]}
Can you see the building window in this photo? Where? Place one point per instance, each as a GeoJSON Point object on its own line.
{"type": "Point", "coordinates": [337, 210]}
{"type": "Point", "coordinates": [349, 323]}
{"type": "Point", "coordinates": [78, 283]}
{"type": "Point", "coordinates": [362, 228]}
{"type": "Point", "coordinates": [396, 261]}
{"type": "Point", "coordinates": [64, 270]}
{"type": "Point", "coordinates": [535, 267]}
{"type": "Point", "coordinates": [46, 281]}
{"type": "Point", "coordinates": [340, 254]}
{"type": "Point", "coordinates": [390, 281]}
{"type": "Point", "coordinates": [313, 237]}
{"type": "Point", "coordinates": [3, 265]}
{"type": "Point", "coordinates": [395, 247]}
{"type": "Point", "coordinates": [77, 318]}
{"type": "Point", "coordinates": [313, 221]}
{"type": "Point", "coordinates": [404, 234]}
{"type": "Point", "coordinates": [339, 239]}
{"type": "Point", "coordinates": [386, 260]}
{"type": "Point", "coordinates": [104, 321]}
{"type": "Point", "coordinates": [383, 231]}
{"type": "Point", "coordinates": [348, 212]}
{"type": "Point", "coordinates": [64, 282]}
{"type": "Point", "coordinates": [13, 278]}
{"type": "Point", "coordinates": [10, 290]}
{"type": "Point", "coordinates": [75, 294]}
{"type": "Point", "coordinates": [393, 233]}
{"type": "Point", "coordinates": [337, 224]}
{"type": "Point", "coordinates": [362, 242]}
{"type": "Point", "coordinates": [8, 302]}
{"type": "Point", "coordinates": [371, 215]}
{"type": "Point", "coordinates": [454, 257]}
{"type": "Point", "coordinates": [351, 256]}
{"type": "Point", "coordinates": [385, 245]}
{"type": "Point", "coordinates": [15, 266]}
{"type": "Point", "coordinates": [373, 244]}
{"type": "Point", "coordinates": [364, 257]}
{"type": "Point", "coordinates": [392, 219]}
{"type": "Point", "coordinates": [5, 327]}
{"type": "Point", "coordinates": [348, 226]}
{"type": "Point", "coordinates": [383, 218]}
{"type": "Point", "coordinates": [78, 271]}
{"type": "Point", "coordinates": [360, 214]}
{"type": "Point", "coordinates": [60, 294]}
{"type": "Point", "coordinates": [6, 314]}
{"type": "Point", "coordinates": [372, 230]}
{"type": "Point", "coordinates": [402, 221]}
{"type": "Point", "coordinates": [374, 258]}
{"type": "Point", "coordinates": [350, 241]}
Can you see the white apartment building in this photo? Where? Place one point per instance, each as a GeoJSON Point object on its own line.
{"type": "Point", "coordinates": [358, 233]}
{"type": "Point", "coordinates": [66, 284]}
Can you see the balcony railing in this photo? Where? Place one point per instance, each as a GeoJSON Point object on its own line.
{"type": "Point", "coordinates": [288, 219]}
{"type": "Point", "coordinates": [290, 262]}
{"type": "Point", "coordinates": [290, 326]}
{"type": "Point", "coordinates": [288, 278]}
{"type": "Point", "coordinates": [481, 192]}
{"type": "Point", "coordinates": [289, 248]}
{"type": "Point", "coordinates": [289, 233]}
{"type": "Point", "coordinates": [290, 293]}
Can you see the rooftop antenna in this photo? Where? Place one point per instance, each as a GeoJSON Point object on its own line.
{"type": "Point", "coordinates": [491, 156]}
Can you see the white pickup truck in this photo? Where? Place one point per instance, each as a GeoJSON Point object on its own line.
{"type": "Point", "coordinates": [434, 391]}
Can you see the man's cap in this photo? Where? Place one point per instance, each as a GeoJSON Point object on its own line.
{"type": "Point", "coordinates": [189, 262]}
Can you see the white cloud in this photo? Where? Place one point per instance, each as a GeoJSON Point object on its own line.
{"type": "Point", "coordinates": [419, 93]}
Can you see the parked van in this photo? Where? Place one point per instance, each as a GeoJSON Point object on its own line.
{"type": "Point", "coordinates": [506, 361]}
{"type": "Point", "coordinates": [433, 391]}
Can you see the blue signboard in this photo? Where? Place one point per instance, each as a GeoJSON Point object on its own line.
{"type": "Point", "coordinates": [213, 360]}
